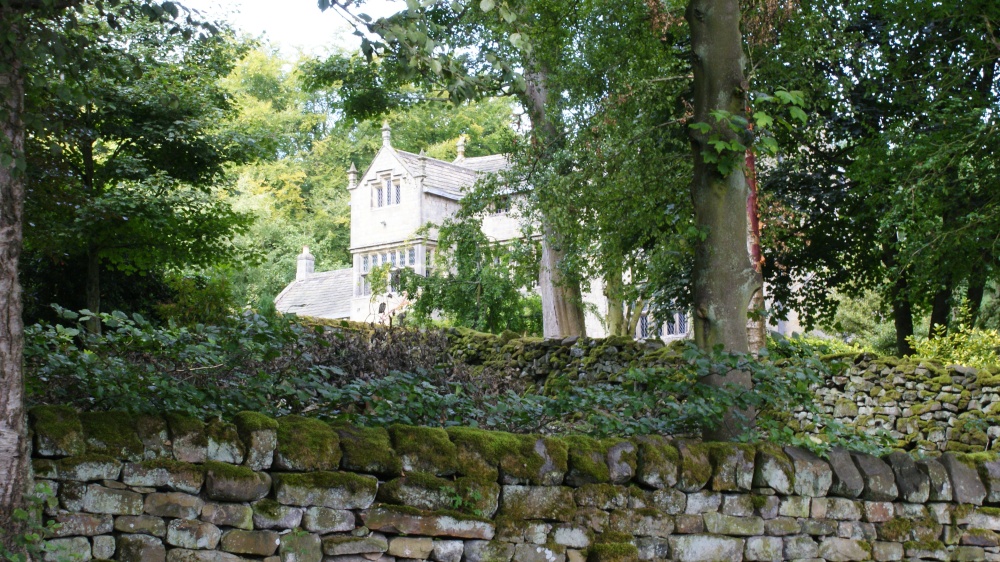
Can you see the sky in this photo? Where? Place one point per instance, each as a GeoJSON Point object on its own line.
{"type": "Point", "coordinates": [291, 25]}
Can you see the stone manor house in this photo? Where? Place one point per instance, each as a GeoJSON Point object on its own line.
{"type": "Point", "coordinates": [399, 193]}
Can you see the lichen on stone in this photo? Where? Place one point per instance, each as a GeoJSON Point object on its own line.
{"type": "Point", "coordinates": [111, 433]}
{"type": "Point", "coordinates": [306, 444]}
{"type": "Point", "coordinates": [367, 449]}
{"type": "Point", "coordinates": [426, 449]}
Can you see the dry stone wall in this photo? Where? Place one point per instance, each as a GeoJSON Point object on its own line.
{"type": "Point", "coordinates": [169, 488]}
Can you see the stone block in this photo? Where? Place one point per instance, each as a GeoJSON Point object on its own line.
{"type": "Point", "coordinates": [173, 504]}
{"type": "Point", "coordinates": [140, 548]}
{"type": "Point", "coordinates": [424, 449]}
{"type": "Point", "coordinates": [100, 499]}
{"type": "Point", "coordinates": [613, 552]}
{"type": "Point", "coordinates": [447, 551]}
{"type": "Point", "coordinates": [813, 476]}
{"type": "Point", "coordinates": [887, 551]}
{"type": "Point", "coordinates": [225, 482]}
{"type": "Point", "coordinates": [587, 461]}
{"type": "Point", "coordinates": [269, 514]}
{"type": "Point", "coordinates": [706, 548]}
{"type": "Point", "coordinates": [800, 547]}
{"type": "Point", "coordinates": [57, 431]}
{"type": "Point", "coordinates": [429, 492]}
{"type": "Point", "coordinates": [835, 549]}
{"type": "Point", "coordinates": [656, 462]}
{"type": "Point", "coordinates": [739, 505]}
{"type": "Point", "coordinates": [165, 473]}
{"type": "Point", "coordinates": [552, 503]}
{"type": "Point", "coordinates": [653, 548]}
{"type": "Point", "coordinates": [720, 524]}
{"type": "Point", "coordinates": [154, 435]}
{"type": "Point", "coordinates": [369, 450]}
{"type": "Point", "coordinates": [794, 506]}
{"type": "Point", "coordinates": [185, 555]}
{"type": "Point", "coordinates": [847, 481]}
{"type": "Point", "coordinates": [732, 466]}
{"type": "Point", "coordinates": [81, 524]}
{"type": "Point", "coordinates": [259, 435]}
{"type": "Point", "coordinates": [782, 526]}
{"type": "Point", "coordinates": [224, 444]}
{"type": "Point", "coordinates": [878, 512]}
{"type": "Point", "coordinates": [297, 547]}
{"type": "Point", "coordinates": [703, 502]}
{"type": "Point", "coordinates": [103, 547]}
{"type": "Point", "coordinates": [965, 482]}
{"type": "Point", "coordinates": [880, 482]}
{"type": "Point", "coordinates": [980, 537]}
{"type": "Point", "coordinates": [341, 545]}
{"type": "Point", "coordinates": [256, 543]}
{"type": "Point", "coordinates": [411, 547]}
{"type": "Point", "coordinates": [141, 524]}
{"type": "Point", "coordinates": [857, 530]}
{"type": "Point", "coordinates": [228, 515]}
{"type": "Point", "coordinates": [689, 524]}
{"type": "Point", "coordinates": [306, 444]}
{"type": "Point", "coordinates": [75, 548]}
{"type": "Point", "coordinates": [763, 549]}
{"type": "Point", "coordinates": [821, 527]}
{"type": "Point", "coordinates": [988, 520]}
{"type": "Point", "coordinates": [669, 501]}
{"type": "Point", "coordinates": [337, 490]}
{"type": "Point", "coordinates": [601, 496]}
{"type": "Point", "coordinates": [592, 518]}
{"type": "Point", "coordinates": [324, 520]}
{"type": "Point", "coordinates": [842, 509]}
{"type": "Point", "coordinates": [487, 551]}
{"type": "Point", "coordinates": [193, 534]}
{"type": "Point", "coordinates": [571, 536]}
{"type": "Point", "coordinates": [968, 554]}
{"type": "Point", "coordinates": [537, 553]}
{"type": "Point", "coordinates": [71, 495]}
{"type": "Point", "coordinates": [396, 521]}
{"type": "Point", "coordinates": [641, 523]}
{"type": "Point", "coordinates": [621, 459]}
{"type": "Point", "coordinates": [88, 468]}
{"type": "Point", "coordinates": [112, 434]}
{"type": "Point", "coordinates": [187, 435]}
{"type": "Point", "coordinates": [989, 473]}
{"type": "Point", "coordinates": [695, 469]}
{"type": "Point", "coordinates": [940, 483]}
{"type": "Point", "coordinates": [914, 485]}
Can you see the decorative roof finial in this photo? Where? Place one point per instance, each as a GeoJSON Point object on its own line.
{"type": "Point", "coordinates": [386, 133]}
{"type": "Point", "coordinates": [460, 147]}
{"type": "Point", "coordinates": [422, 172]}
{"type": "Point", "coordinates": [352, 177]}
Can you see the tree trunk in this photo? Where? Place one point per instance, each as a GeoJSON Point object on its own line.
{"type": "Point", "coordinates": [940, 311]}
{"type": "Point", "coordinates": [757, 325]}
{"type": "Point", "coordinates": [974, 295]}
{"type": "Point", "coordinates": [615, 319]}
{"type": "Point", "coordinates": [94, 289]}
{"type": "Point", "coordinates": [902, 316]}
{"type": "Point", "coordinates": [562, 301]}
{"type": "Point", "coordinates": [723, 279]}
{"type": "Point", "coordinates": [13, 433]}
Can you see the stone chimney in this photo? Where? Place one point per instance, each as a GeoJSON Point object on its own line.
{"type": "Point", "coordinates": [386, 133]}
{"type": "Point", "coordinates": [422, 170]}
{"type": "Point", "coordinates": [460, 148]}
{"type": "Point", "coordinates": [305, 265]}
{"type": "Point", "coordinates": [352, 177]}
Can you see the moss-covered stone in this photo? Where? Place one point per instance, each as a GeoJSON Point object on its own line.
{"type": "Point", "coordinates": [165, 473]}
{"type": "Point", "coordinates": [112, 434]}
{"type": "Point", "coordinates": [732, 466]}
{"type": "Point", "coordinates": [613, 552]}
{"type": "Point", "coordinates": [696, 468]}
{"type": "Point", "coordinates": [226, 482]}
{"type": "Point", "coordinates": [88, 467]}
{"type": "Point", "coordinates": [657, 462]}
{"type": "Point", "coordinates": [424, 449]}
{"type": "Point", "coordinates": [306, 444]}
{"type": "Point", "coordinates": [551, 503]}
{"type": "Point", "coordinates": [601, 496]}
{"type": "Point", "coordinates": [587, 461]}
{"type": "Point", "coordinates": [426, 491]}
{"type": "Point", "coordinates": [521, 459]}
{"type": "Point", "coordinates": [57, 431]}
{"type": "Point", "coordinates": [337, 490]}
{"type": "Point", "coordinates": [399, 519]}
{"type": "Point", "coordinates": [367, 449]}
{"type": "Point", "coordinates": [155, 437]}
{"type": "Point", "coordinates": [224, 444]}
{"type": "Point", "coordinates": [187, 434]}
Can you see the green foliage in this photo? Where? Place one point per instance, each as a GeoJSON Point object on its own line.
{"type": "Point", "coordinates": [807, 346]}
{"type": "Point", "coordinates": [475, 283]}
{"type": "Point", "coordinates": [198, 299]}
{"type": "Point", "coordinates": [27, 543]}
{"type": "Point", "coordinates": [963, 345]}
{"type": "Point", "coordinates": [279, 368]}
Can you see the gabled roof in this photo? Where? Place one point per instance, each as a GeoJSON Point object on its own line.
{"type": "Point", "coordinates": [486, 164]}
{"type": "Point", "coordinates": [445, 178]}
{"type": "Point", "coordinates": [320, 295]}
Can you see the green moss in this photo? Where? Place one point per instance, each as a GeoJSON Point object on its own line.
{"type": "Point", "coordinates": [254, 421]}
{"type": "Point", "coordinates": [466, 495]}
{"type": "Point", "coordinates": [60, 426]}
{"type": "Point", "coordinates": [188, 428]}
{"type": "Point", "coordinates": [613, 552]}
{"type": "Point", "coordinates": [924, 545]}
{"type": "Point", "coordinates": [367, 449]}
{"type": "Point", "coordinates": [111, 433]}
{"type": "Point", "coordinates": [354, 483]}
{"type": "Point", "coordinates": [307, 444]}
{"type": "Point", "coordinates": [896, 529]}
{"type": "Point", "coordinates": [170, 465]}
{"type": "Point", "coordinates": [613, 537]}
{"type": "Point", "coordinates": [231, 472]}
{"type": "Point", "coordinates": [696, 468]}
{"type": "Point", "coordinates": [758, 501]}
{"type": "Point", "coordinates": [222, 432]}
{"type": "Point", "coordinates": [407, 510]}
{"type": "Point", "coordinates": [587, 462]}
{"type": "Point", "coordinates": [268, 508]}
{"type": "Point", "coordinates": [70, 463]}
{"type": "Point", "coordinates": [597, 495]}
{"type": "Point", "coordinates": [991, 511]}
{"type": "Point", "coordinates": [425, 448]}
{"type": "Point", "coordinates": [483, 453]}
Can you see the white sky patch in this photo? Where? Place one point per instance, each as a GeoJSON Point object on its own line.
{"type": "Point", "coordinates": [294, 26]}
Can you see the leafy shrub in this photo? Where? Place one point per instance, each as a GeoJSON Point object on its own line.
{"type": "Point", "coordinates": [381, 376]}
{"type": "Point", "coordinates": [963, 345]}
{"type": "Point", "coordinates": [807, 346]}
